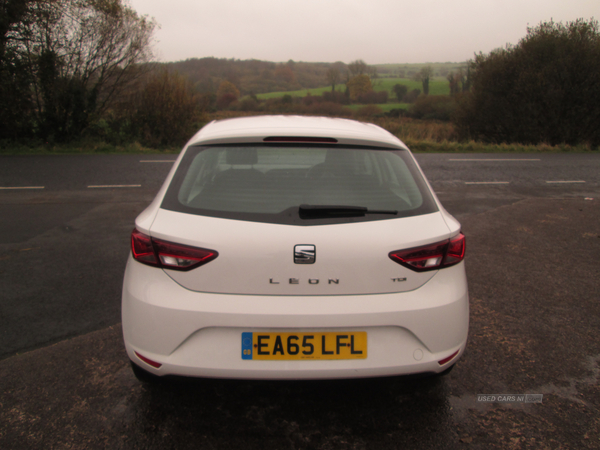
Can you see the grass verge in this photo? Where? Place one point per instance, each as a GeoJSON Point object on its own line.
{"type": "Point", "coordinates": [421, 136]}
{"type": "Point", "coordinates": [480, 147]}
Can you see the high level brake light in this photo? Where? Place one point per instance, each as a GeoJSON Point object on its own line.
{"type": "Point", "coordinates": [433, 256]}
{"type": "Point", "coordinates": [168, 255]}
{"type": "Point", "coordinates": [314, 140]}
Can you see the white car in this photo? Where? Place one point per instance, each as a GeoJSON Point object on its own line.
{"type": "Point", "coordinates": [285, 247]}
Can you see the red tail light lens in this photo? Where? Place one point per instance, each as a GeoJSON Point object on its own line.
{"type": "Point", "coordinates": [141, 248]}
{"type": "Point", "coordinates": [433, 256]}
{"type": "Point", "coordinates": [168, 255]}
{"type": "Point", "coordinates": [456, 250]}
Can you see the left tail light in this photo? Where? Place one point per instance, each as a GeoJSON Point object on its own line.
{"type": "Point", "coordinates": [433, 256]}
{"type": "Point", "coordinates": [168, 255]}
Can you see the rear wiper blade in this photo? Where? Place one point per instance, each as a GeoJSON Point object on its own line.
{"type": "Point", "coordinates": [316, 211]}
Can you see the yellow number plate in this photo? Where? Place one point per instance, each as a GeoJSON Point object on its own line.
{"type": "Point", "coordinates": [303, 346]}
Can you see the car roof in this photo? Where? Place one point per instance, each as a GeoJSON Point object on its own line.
{"type": "Point", "coordinates": [256, 128]}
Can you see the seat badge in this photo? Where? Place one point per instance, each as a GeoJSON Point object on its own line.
{"type": "Point", "coordinates": [305, 254]}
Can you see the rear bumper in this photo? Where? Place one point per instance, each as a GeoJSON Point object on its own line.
{"type": "Point", "coordinates": [199, 334]}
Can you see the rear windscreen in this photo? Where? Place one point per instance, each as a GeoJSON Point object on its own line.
{"type": "Point", "coordinates": [276, 183]}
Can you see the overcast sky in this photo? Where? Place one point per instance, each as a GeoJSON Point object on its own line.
{"type": "Point", "coordinates": [377, 31]}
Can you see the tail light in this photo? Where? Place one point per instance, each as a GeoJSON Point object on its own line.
{"type": "Point", "coordinates": [168, 255]}
{"type": "Point", "coordinates": [433, 256]}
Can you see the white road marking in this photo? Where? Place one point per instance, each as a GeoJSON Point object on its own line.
{"type": "Point", "coordinates": [487, 182]}
{"type": "Point", "coordinates": [157, 160]}
{"type": "Point", "coordinates": [115, 186]}
{"type": "Point", "coordinates": [23, 187]}
{"type": "Point", "coordinates": [565, 182]}
{"type": "Point", "coordinates": [501, 159]}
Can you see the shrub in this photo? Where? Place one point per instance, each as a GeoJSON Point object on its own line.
{"type": "Point", "coordinates": [433, 107]}
{"type": "Point", "coordinates": [396, 112]}
{"type": "Point", "coordinates": [112, 128]}
{"type": "Point", "coordinates": [285, 104]}
{"type": "Point", "coordinates": [167, 111]}
{"type": "Point", "coordinates": [414, 130]}
{"type": "Point", "coordinates": [369, 111]}
{"type": "Point", "coordinates": [310, 99]}
{"type": "Point", "coordinates": [248, 104]}
{"type": "Point", "coordinates": [544, 89]}
{"type": "Point", "coordinates": [329, 109]}
{"type": "Point", "coordinates": [336, 97]}
{"type": "Point", "coordinates": [412, 96]}
{"type": "Point", "coordinates": [372, 97]}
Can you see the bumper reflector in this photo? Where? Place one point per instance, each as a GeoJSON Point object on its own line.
{"type": "Point", "coordinates": [448, 359]}
{"type": "Point", "coordinates": [148, 361]}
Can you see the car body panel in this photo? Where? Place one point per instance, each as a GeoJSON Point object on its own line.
{"type": "Point", "coordinates": [354, 254]}
{"type": "Point", "coordinates": [433, 319]}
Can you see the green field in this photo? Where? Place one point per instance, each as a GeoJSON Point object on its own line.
{"type": "Point", "coordinates": [437, 86]}
{"type": "Point", "coordinates": [301, 93]}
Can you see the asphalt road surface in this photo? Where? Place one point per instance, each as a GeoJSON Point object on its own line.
{"type": "Point", "coordinates": [533, 251]}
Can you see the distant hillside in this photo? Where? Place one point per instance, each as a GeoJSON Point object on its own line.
{"type": "Point", "coordinates": [251, 76]}
{"type": "Point", "coordinates": [259, 77]}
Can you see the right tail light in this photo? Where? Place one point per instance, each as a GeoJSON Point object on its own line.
{"type": "Point", "coordinates": [432, 256]}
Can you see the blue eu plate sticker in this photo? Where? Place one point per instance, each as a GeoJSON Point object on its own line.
{"type": "Point", "coordinates": [246, 345]}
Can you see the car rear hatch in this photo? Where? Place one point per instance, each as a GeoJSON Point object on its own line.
{"type": "Point", "coordinates": [273, 259]}
{"type": "Point", "coordinates": [299, 219]}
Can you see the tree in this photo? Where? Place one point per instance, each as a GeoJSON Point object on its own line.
{"type": "Point", "coordinates": [544, 89]}
{"type": "Point", "coordinates": [412, 96]}
{"type": "Point", "coordinates": [334, 76]}
{"type": "Point", "coordinates": [358, 85]}
{"type": "Point", "coordinates": [285, 73]}
{"type": "Point", "coordinates": [16, 106]}
{"type": "Point", "coordinates": [466, 80]}
{"type": "Point", "coordinates": [11, 16]}
{"type": "Point", "coordinates": [79, 54]}
{"type": "Point", "coordinates": [372, 72]}
{"type": "Point", "coordinates": [167, 111]}
{"type": "Point", "coordinates": [227, 94]}
{"type": "Point", "coordinates": [400, 90]}
{"type": "Point", "coordinates": [358, 67]}
{"type": "Point", "coordinates": [423, 76]}
{"type": "Point", "coordinates": [455, 80]}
